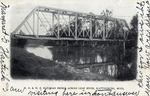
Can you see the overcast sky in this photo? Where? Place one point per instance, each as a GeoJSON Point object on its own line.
{"type": "Point", "coordinates": [124, 9]}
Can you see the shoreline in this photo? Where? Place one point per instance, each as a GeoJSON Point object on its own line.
{"type": "Point", "coordinates": [27, 65]}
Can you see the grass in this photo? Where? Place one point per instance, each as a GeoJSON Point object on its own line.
{"type": "Point", "coordinates": [25, 65]}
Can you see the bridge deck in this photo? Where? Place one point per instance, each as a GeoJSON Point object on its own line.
{"type": "Point", "coordinates": [65, 38]}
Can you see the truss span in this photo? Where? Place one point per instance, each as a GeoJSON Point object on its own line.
{"type": "Point", "coordinates": [57, 24]}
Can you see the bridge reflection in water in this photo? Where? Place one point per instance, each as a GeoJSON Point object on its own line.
{"type": "Point", "coordinates": [97, 60]}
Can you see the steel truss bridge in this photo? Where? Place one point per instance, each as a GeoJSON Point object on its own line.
{"type": "Point", "coordinates": [57, 24]}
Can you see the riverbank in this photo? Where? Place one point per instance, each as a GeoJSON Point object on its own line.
{"type": "Point", "coordinates": [25, 65]}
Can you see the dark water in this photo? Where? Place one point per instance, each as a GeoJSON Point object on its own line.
{"type": "Point", "coordinates": [101, 56]}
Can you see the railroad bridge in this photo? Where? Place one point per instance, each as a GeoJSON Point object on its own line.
{"type": "Point", "coordinates": [57, 24]}
{"type": "Point", "coordinates": [63, 26]}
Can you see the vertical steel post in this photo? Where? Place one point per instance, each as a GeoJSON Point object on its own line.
{"type": "Point", "coordinates": [104, 29]}
{"type": "Point", "coordinates": [96, 32]}
{"type": "Point", "coordinates": [37, 23]}
{"type": "Point", "coordinates": [53, 24]}
{"type": "Point", "coordinates": [84, 26]}
{"type": "Point", "coordinates": [33, 22]}
{"type": "Point", "coordinates": [91, 27]}
{"type": "Point", "coordinates": [76, 26]}
{"type": "Point", "coordinates": [69, 25]}
{"type": "Point", "coordinates": [58, 33]}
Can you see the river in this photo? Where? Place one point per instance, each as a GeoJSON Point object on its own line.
{"type": "Point", "coordinates": [76, 56]}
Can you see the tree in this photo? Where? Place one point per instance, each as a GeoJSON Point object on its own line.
{"type": "Point", "coordinates": [134, 28]}
{"type": "Point", "coordinates": [134, 24]}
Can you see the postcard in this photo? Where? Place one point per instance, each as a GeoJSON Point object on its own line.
{"type": "Point", "coordinates": [75, 48]}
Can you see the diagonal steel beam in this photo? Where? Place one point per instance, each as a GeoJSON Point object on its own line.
{"type": "Point", "coordinates": [17, 29]}
{"type": "Point", "coordinates": [30, 27]}
{"type": "Point", "coordinates": [27, 28]}
{"type": "Point", "coordinates": [41, 21]}
{"type": "Point", "coordinates": [46, 19]}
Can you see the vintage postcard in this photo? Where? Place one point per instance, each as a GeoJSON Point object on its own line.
{"type": "Point", "coordinates": [75, 48]}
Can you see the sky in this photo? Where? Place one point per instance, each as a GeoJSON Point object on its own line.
{"type": "Point", "coordinates": [124, 9]}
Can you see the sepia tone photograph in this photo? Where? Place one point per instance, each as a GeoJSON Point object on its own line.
{"type": "Point", "coordinates": [74, 41]}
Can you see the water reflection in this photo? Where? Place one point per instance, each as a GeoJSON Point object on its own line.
{"type": "Point", "coordinates": [40, 51]}
{"type": "Point", "coordinates": [74, 56]}
{"type": "Point", "coordinates": [80, 55]}
{"type": "Point", "coordinates": [110, 70]}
